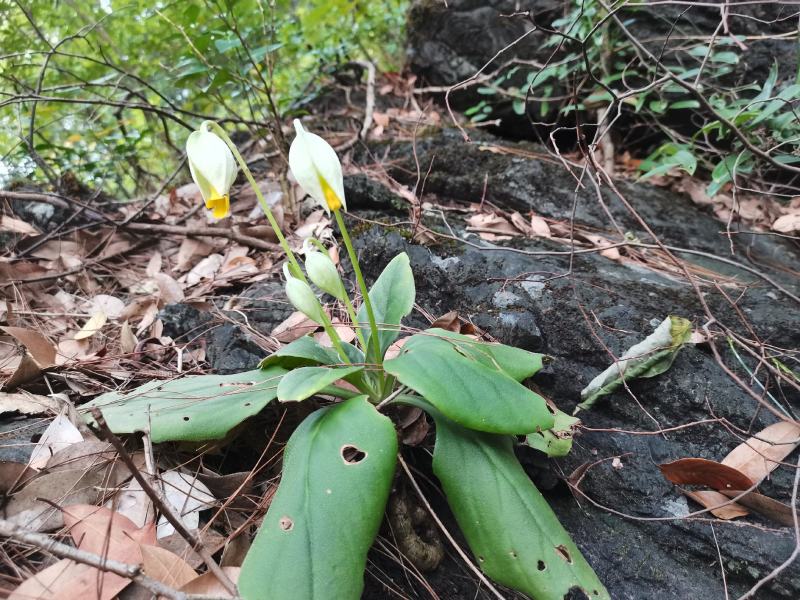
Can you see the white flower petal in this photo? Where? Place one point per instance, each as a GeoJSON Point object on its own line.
{"type": "Point", "coordinates": [312, 158]}
{"type": "Point", "coordinates": [211, 163]}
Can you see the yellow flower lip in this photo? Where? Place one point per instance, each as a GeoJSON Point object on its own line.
{"type": "Point", "coordinates": [219, 205]}
{"type": "Point", "coordinates": [331, 197]}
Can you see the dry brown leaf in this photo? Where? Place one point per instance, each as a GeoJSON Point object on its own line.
{"type": "Point", "coordinates": [58, 435]}
{"type": "Point", "coordinates": [711, 499]}
{"type": "Point", "coordinates": [166, 567]}
{"type": "Point", "coordinates": [39, 347]}
{"type": "Point", "coordinates": [99, 530]}
{"type": "Point", "coordinates": [757, 457]}
{"type": "Point", "coordinates": [14, 475]}
{"type": "Point", "coordinates": [295, 326]}
{"type": "Point", "coordinates": [92, 326]}
{"type": "Point", "coordinates": [28, 404]}
{"type": "Point", "coordinates": [520, 223]}
{"type": "Point", "coordinates": [17, 226]}
{"type": "Point", "coordinates": [68, 579]}
{"type": "Point", "coordinates": [491, 227]}
{"type": "Point", "coordinates": [539, 227]}
{"type": "Point", "coordinates": [699, 471]}
{"type": "Point", "coordinates": [127, 339]}
{"type": "Point", "coordinates": [772, 509]}
{"type": "Point", "coordinates": [204, 270]}
{"type": "Point", "coordinates": [170, 291]}
{"type": "Point", "coordinates": [212, 541]}
{"type": "Point", "coordinates": [788, 223]}
{"type": "Point", "coordinates": [154, 265]}
{"type": "Point", "coordinates": [71, 349]}
{"type": "Point", "coordinates": [600, 242]}
{"type": "Point", "coordinates": [110, 305]}
{"type": "Point", "coordinates": [209, 585]}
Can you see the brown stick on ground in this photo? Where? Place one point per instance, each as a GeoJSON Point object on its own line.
{"type": "Point", "coordinates": [162, 505]}
{"type": "Point", "coordinates": [218, 232]}
{"type": "Point", "coordinates": [129, 571]}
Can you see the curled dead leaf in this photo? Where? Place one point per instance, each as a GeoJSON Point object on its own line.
{"type": "Point", "coordinates": [699, 471]}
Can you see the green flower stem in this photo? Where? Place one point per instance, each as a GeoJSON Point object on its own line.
{"type": "Point", "coordinates": [264, 205]}
{"type": "Point", "coordinates": [335, 339]}
{"type": "Point", "coordinates": [351, 312]}
{"type": "Point", "coordinates": [327, 325]}
{"type": "Point", "coordinates": [362, 286]}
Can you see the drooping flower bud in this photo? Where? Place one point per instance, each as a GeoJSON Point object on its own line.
{"type": "Point", "coordinates": [302, 297]}
{"type": "Point", "coordinates": [317, 169]}
{"type": "Point", "coordinates": [323, 273]}
{"type": "Point", "coordinates": [213, 169]}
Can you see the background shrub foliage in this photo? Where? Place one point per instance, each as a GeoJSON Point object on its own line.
{"type": "Point", "coordinates": [125, 78]}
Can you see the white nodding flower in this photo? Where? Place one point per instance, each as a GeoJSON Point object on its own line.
{"type": "Point", "coordinates": [213, 169]}
{"type": "Point", "coordinates": [322, 272]}
{"type": "Point", "coordinates": [317, 169]}
{"type": "Point", "coordinates": [302, 297]}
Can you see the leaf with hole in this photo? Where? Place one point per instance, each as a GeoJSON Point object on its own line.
{"type": "Point", "coordinates": [203, 407]}
{"type": "Point", "coordinates": [509, 526]}
{"type": "Point", "coordinates": [467, 383]}
{"type": "Point", "coordinates": [337, 472]}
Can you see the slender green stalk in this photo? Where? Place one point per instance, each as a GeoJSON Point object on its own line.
{"type": "Point", "coordinates": [261, 200]}
{"type": "Point", "coordinates": [327, 325]}
{"type": "Point", "coordinates": [351, 312]}
{"type": "Point", "coordinates": [362, 286]}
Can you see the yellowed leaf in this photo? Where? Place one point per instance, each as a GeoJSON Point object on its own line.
{"type": "Point", "coordinates": [92, 326]}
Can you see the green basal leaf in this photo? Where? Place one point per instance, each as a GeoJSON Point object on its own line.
{"type": "Point", "coordinates": [198, 408]}
{"type": "Point", "coordinates": [468, 386]}
{"type": "Point", "coordinates": [514, 362]}
{"type": "Point", "coordinates": [337, 473]}
{"type": "Point", "coordinates": [304, 382]}
{"type": "Point", "coordinates": [650, 357]}
{"type": "Point", "coordinates": [392, 299]}
{"type": "Point", "coordinates": [306, 351]}
{"type": "Point", "coordinates": [509, 526]}
{"type": "Point", "coordinates": [558, 440]}
{"type": "Point", "coordinates": [302, 352]}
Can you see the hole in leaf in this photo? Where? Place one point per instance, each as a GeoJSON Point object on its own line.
{"type": "Point", "coordinates": [185, 418]}
{"type": "Point", "coordinates": [481, 559]}
{"type": "Point", "coordinates": [513, 554]}
{"type": "Point", "coordinates": [352, 455]}
{"type": "Point", "coordinates": [564, 553]}
{"type": "Point", "coordinates": [541, 566]}
{"type": "Point", "coordinates": [247, 403]}
{"type": "Point", "coordinates": [286, 523]}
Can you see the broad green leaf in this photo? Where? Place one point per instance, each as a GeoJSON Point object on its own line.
{"type": "Point", "coordinates": [337, 473]}
{"type": "Point", "coordinates": [509, 526]}
{"type": "Point", "coordinates": [558, 440]}
{"type": "Point", "coordinates": [467, 387]}
{"type": "Point", "coordinates": [195, 408]}
{"type": "Point", "coordinates": [306, 351]}
{"type": "Point", "coordinates": [392, 299]}
{"type": "Point", "coordinates": [650, 357]}
{"type": "Point", "coordinates": [302, 352]}
{"type": "Point", "coordinates": [514, 362]}
{"type": "Point", "coordinates": [304, 382]}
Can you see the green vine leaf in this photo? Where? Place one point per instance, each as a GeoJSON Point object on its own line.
{"type": "Point", "coordinates": [304, 382]}
{"type": "Point", "coordinates": [193, 409]}
{"type": "Point", "coordinates": [468, 385]}
{"type": "Point", "coordinates": [338, 470]}
{"type": "Point", "coordinates": [512, 531]}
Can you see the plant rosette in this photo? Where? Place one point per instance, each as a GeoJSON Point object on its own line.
{"type": "Point", "coordinates": [340, 462]}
